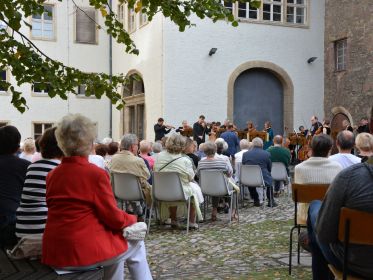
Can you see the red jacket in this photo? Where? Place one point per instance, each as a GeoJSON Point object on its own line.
{"type": "Point", "coordinates": [84, 224]}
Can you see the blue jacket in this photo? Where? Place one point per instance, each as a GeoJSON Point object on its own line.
{"type": "Point", "coordinates": [232, 140]}
{"type": "Point", "coordinates": [258, 156]}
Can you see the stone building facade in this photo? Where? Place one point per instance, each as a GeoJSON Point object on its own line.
{"type": "Point", "coordinates": [348, 58]}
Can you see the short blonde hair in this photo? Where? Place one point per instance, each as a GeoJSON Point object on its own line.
{"type": "Point", "coordinates": [364, 142]}
{"type": "Point", "coordinates": [75, 135]}
{"type": "Point", "coordinates": [175, 144]}
{"type": "Point", "coordinates": [29, 146]}
{"type": "Point", "coordinates": [145, 146]}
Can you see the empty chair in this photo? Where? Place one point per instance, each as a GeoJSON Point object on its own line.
{"type": "Point", "coordinates": [251, 176]}
{"type": "Point", "coordinates": [167, 187]}
{"type": "Point", "coordinates": [280, 174]}
{"type": "Point", "coordinates": [214, 183]}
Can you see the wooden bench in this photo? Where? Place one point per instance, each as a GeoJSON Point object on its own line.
{"type": "Point", "coordinates": [26, 269]}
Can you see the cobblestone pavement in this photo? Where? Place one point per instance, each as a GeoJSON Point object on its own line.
{"type": "Point", "coordinates": [254, 248]}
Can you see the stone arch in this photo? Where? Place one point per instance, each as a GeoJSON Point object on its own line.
{"type": "Point", "coordinates": [281, 74]}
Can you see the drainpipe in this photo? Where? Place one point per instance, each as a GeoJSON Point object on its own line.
{"type": "Point", "coordinates": [110, 74]}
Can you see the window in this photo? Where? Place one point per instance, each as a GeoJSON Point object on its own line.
{"type": "Point", "coordinates": [120, 13]}
{"type": "Point", "coordinates": [245, 11]}
{"type": "Point", "coordinates": [229, 6]}
{"type": "Point", "coordinates": [296, 11]}
{"type": "Point", "coordinates": [340, 47]}
{"type": "Point", "coordinates": [43, 25]}
{"type": "Point", "coordinates": [131, 20]}
{"type": "Point", "coordinates": [3, 78]}
{"type": "Point", "coordinates": [39, 88]}
{"type": "Point", "coordinates": [85, 26]}
{"type": "Point", "coordinates": [82, 92]}
{"type": "Point", "coordinates": [39, 128]}
{"type": "Point", "coordinates": [143, 18]}
{"type": "Point", "coordinates": [134, 86]}
{"type": "Point", "coordinates": [272, 10]}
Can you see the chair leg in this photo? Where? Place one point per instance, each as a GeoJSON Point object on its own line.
{"type": "Point", "coordinates": [150, 216]}
{"type": "Point", "coordinates": [188, 215]}
{"type": "Point", "coordinates": [291, 248]}
{"type": "Point", "coordinates": [204, 207]}
{"type": "Point", "coordinates": [298, 246]}
{"type": "Point", "coordinates": [230, 209]}
{"type": "Point", "coordinates": [238, 216]}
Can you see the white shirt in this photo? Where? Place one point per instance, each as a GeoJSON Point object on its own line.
{"type": "Point", "coordinates": [97, 160]}
{"type": "Point", "coordinates": [345, 159]}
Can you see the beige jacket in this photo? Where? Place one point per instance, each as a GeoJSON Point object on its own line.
{"type": "Point", "coordinates": [126, 162]}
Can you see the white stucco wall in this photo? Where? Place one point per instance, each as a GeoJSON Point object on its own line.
{"type": "Point", "coordinates": [90, 58]}
{"type": "Point", "coordinates": [196, 83]}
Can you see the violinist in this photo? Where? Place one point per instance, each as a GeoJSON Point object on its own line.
{"type": "Point", "coordinates": [347, 126]}
{"type": "Point", "coordinates": [315, 125]}
{"type": "Point", "coordinates": [250, 127]}
{"type": "Point", "coordinates": [269, 141]}
{"type": "Point", "coordinates": [200, 128]}
{"type": "Point", "coordinates": [184, 127]}
{"type": "Point", "coordinates": [161, 129]}
{"type": "Point", "coordinates": [213, 135]}
{"type": "Point", "coordinates": [326, 127]}
{"type": "Point", "coordinates": [303, 131]}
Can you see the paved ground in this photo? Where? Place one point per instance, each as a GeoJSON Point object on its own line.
{"type": "Point", "coordinates": [255, 248]}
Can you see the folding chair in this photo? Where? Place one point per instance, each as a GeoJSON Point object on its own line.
{"type": "Point", "coordinates": [251, 176]}
{"type": "Point", "coordinates": [355, 227]}
{"type": "Point", "coordinates": [127, 187]}
{"type": "Point", "coordinates": [280, 174]}
{"type": "Point", "coordinates": [167, 187]}
{"type": "Point", "coordinates": [303, 193]}
{"type": "Point", "coordinates": [214, 183]}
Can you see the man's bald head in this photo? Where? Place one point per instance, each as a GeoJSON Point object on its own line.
{"type": "Point", "coordinates": [277, 140]}
{"type": "Point", "coordinates": [345, 140]}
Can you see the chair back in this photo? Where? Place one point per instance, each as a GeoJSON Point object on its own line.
{"type": "Point", "coordinates": [305, 193]}
{"type": "Point", "coordinates": [359, 225]}
{"type": "Point", "coordinates": [167, 187]}
{"type": "Point", "coordinates": [238, 171]}
{"type": "Point", "coordinates": [213, 183]}
{"type": "Point", "coordinates": [127, 187]}
{"type": "Point", "coordinates": [279, 172]}
{"type": "Point", "coordinates": [251, 176]}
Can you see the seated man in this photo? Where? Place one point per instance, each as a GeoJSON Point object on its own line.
{"type": "Point", "coordinates": [279, 154]}
{"type": "Point", "coordinates": [126, 161]}
{"type": "Point", "coordinates": [345, 143]}
{"type": "Point", "coordinates": [353, 188]}
{"type": "Point", "coordinates": [257, 156]}
{"type": "Point", "coordinates": [245, 145]}
{"type": "Point", "coordinates": [12, 175]}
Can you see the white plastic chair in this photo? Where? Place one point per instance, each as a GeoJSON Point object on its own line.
{"type": "Point", "coordinates": [279, 173]}
{"type": "Point", "coordinates": [251, 176]}
{"type": "Point", "coordinates": [167, 187]}
{"type": "Point", "coordinates": [127, 187]}
{"type": "Point", "coordinates": [214, 183]}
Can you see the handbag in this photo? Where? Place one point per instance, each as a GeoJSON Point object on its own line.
{"type": "Point", "coordinates": [26, 248]}
{"type": "Point", "coordinates": [137, 231]}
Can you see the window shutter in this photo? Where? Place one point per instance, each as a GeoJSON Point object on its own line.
{"type": "Point", "coordinates": [86, 26]}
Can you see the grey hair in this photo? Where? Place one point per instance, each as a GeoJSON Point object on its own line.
{"type": "Point", "coordinates": [220, 142]}
{"type": "Point", "coordinates": [127, 141]}
{"type": "Point", "coordinates": [257, 142]}
{"type": "Point", "coordinates": [175, 144]}
{"type": "Point", "coordinates": [75, 134]}
{"type": "Point", "coordinates": [157, 147]}
{"type": "Point", "coordinates": [209, 148]}
{"type": "Point", "coordinates": [244, 144]}
{"type": "Point", "coordinates": [145, 146]}
{"type": "Point", "coordinates": [29, 145]}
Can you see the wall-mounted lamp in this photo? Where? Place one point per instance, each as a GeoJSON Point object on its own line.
{"type": "Point", "coordinates": [311, 59]}
{"type": "Point", "coordinates": [212, 51]}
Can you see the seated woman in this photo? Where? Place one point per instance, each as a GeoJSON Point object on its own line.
{"type": "Point", "coordinates": [33, 193]}
{"type": "Point", "coordinates": [364, 144]}
{"type": "Point", "coordinates": [84, 228]}
{"type": "Point", "coordinates": [211, 162]}
{"type": "Point", "coordinates": [172, 160]}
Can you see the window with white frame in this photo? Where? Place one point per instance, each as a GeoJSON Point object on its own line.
{"type": "Point", "coordinates": [228, 5]}
{"type": "Point", "coordinates": [245, 11]}
{"type": "Point", "coordinates": [131, 20]}
{"type": "Point", "coordinates": [272, 10]}
{"type": "Point", "coordinates": [143, 18]}
{"type": "Point", "coordinates": [85, 25]}
{"type": "Point", "coordinates": [43, 24]}
{"type": "Point", "coordinates": [120, 13]}
{"type": "Point", "coordinates": [296, 11]}
{"type": "Point", "coordinates": [39, 128]}
{"type": "Point", "coordinates": [82, 91]}
{"type": "Point", "coordinates": [39, 88]}
{"type": "Point", "coordinates": [340, 47]}
{"type": "Point", "coordinates": [3, 78]}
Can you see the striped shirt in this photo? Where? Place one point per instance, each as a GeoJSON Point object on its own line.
{"type": "Point", "coordinates": [32, 212]}
{"type": "Point", "coordinates": [212, 164]}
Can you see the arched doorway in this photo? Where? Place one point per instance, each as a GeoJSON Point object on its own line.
{"type": "Point", "coordinates": [269, 71]}
{"type": "Point", "coordinates": [133, 115]}
{"type": "Point", "coordinates": [258, 96]}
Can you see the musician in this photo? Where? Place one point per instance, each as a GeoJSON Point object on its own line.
{"type": "Point", "coordinates": [269, 141]}
{"type": "Point", "coordinates": [184, 126]}
{"type": "Point", "coordinates": [200, 129]}
{"type": "Point", "coordinates": [214, 131]}
{"type": "Point", "coordinates": [250, 127]}
{"type": "Point", "coordinates": [303, 131]}
{"type": "Point", "coordinates": [315, 125]}
{"type": "Point", "coordinates": [226, 124]}
{"type": "Point", "coordinates": [363, 125]}
{"type": "Point", "coordinates": [347, 126]}
{"type": "Point", "coordinates": [161, 129]}
{"type": "Point", "coordinates": [326, 127]}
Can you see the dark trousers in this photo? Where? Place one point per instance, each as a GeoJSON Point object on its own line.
{"type": "Point", "coordinates": [255, 196]}
{"type": "Point", "coordinates": [322, 255]}
{"type": "Point", "coordinates": [8, 231]}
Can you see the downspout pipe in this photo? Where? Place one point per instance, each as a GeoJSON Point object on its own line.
{"type": "Point", "coordinates": [110, 74]}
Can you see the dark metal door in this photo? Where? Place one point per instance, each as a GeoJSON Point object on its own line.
{"type": "Point", "coordinates": [258, 96]}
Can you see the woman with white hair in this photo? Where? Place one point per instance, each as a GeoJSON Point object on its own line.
{"type": "Point", "coordinates": [364, 144]}
{"type": "Point", "coordinates": [29, 149]}
{"type": "Point", "coordinates": [84, 225]}
{"type": "Point", "coordinates": [172, 160]}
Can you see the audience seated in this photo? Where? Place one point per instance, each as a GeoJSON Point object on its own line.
{"type": "Point", "coordinates": [352, 188]}
{"type": "Point", "coordinates": [279, 154]}
{"type": "Point", "coordinates": [12, 175]}
{"type": "Point", "coordinates": [345, 143]}
{"type": "Point", "coordinates": [200, 152]}
{"type": "Point", "coordinates": [257, 156]}
{"type": "Point", "coordinates": [172, 160]}
{"type": "Point", "coordinates": [28, 149]}
{"type": "Point", "coordinates": [113, 148]}
{"type": "Point", "coordinates": [84, 225]}
{"type": "Point", "coordinates": [221, 148]}
{"type": "Point", "coordinates": [245, 146]}
{"type": "Point", "coordinates": [33, 193]}
{"type": "Point", "coordinates": [37, 155]}
{"type": "Point", "coordinates": [364, 145]}
{"type": "Point", "coordinates": [189, 150]}
{"type": "Point", "coordinates": [211, 162]}
{"type": "Point", "coordinates": [101, 150]}
{"type": "Point", "coordinates": [145, 150]}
